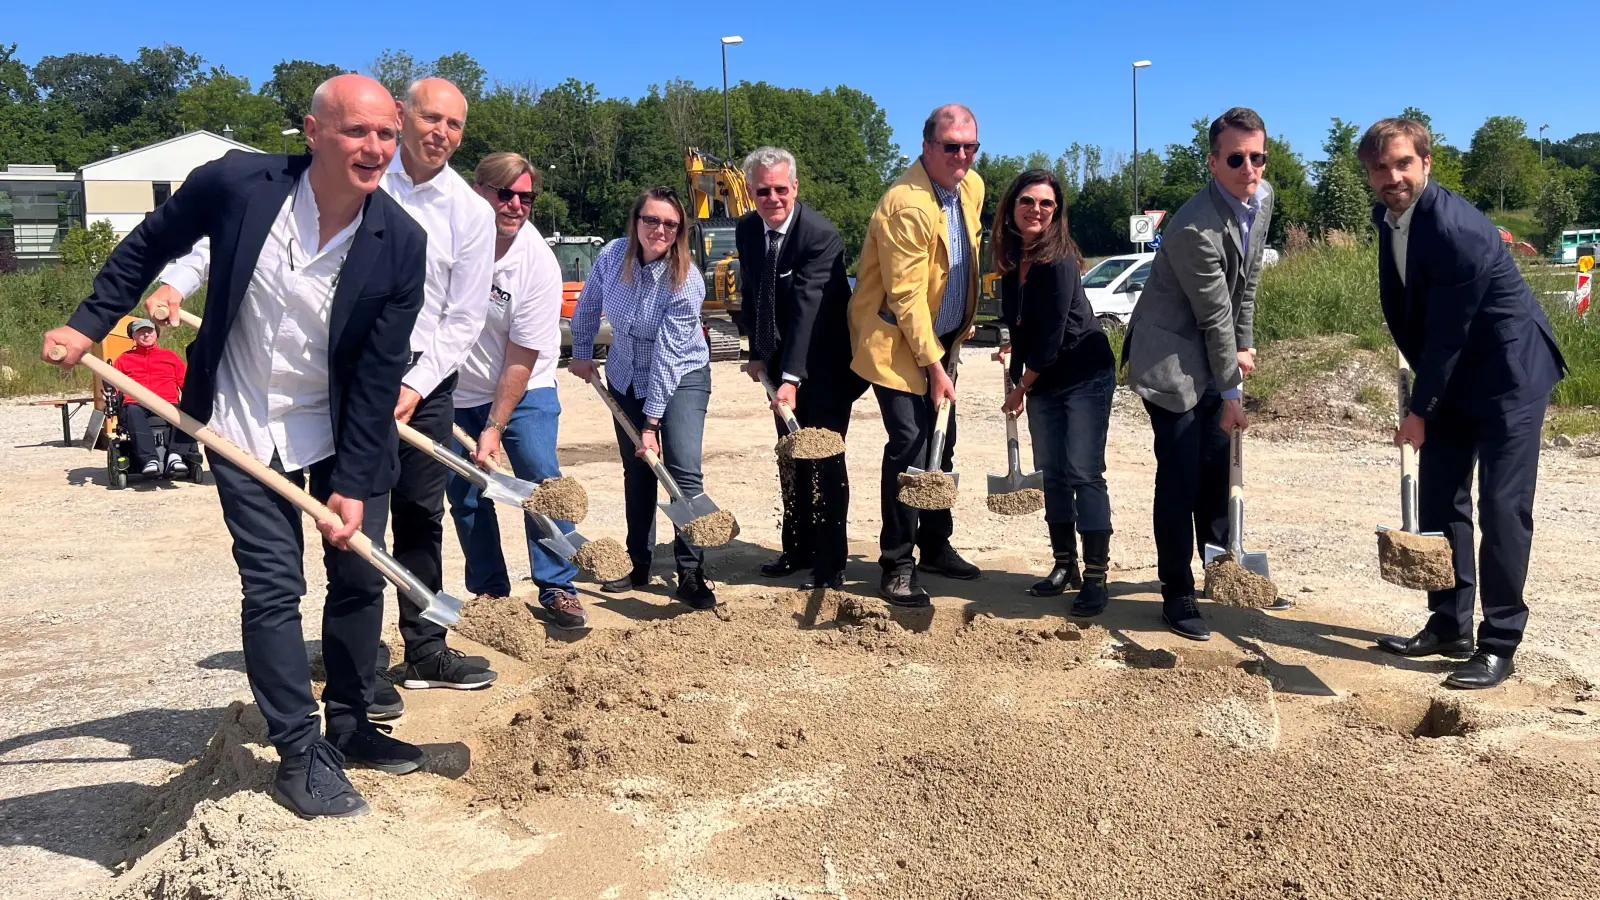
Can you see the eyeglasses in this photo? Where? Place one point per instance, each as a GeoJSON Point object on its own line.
{"type": "Point", "coordinates": [504, 195]}
{"type": "Point", "coordinates": [1235, 160]}
{"type": "Point", "coordinates": [1030, 202]}
{"type": "Point", "coordinates": [781, 190]}
{"type": "Point", "coordinates": [651, 223]}
{"type": "Point", "coordinates": [954, 148]}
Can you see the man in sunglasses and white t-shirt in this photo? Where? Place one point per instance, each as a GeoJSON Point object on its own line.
{"type": "Point", "coordinates": [1189, 346]}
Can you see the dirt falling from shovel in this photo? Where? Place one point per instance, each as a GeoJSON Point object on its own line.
{"type": "Point", "coordinates": [711, 530]}
{"type": "Point", "coordinates": [605, 558]}
{"type": "Point", "coordinates": [560, 498]}
{"type": "Point", "coordinates": [928, 490]}
{"type": "Point", "coordinates": [1416, 562]}
{"type": "Point", "coordinates": [811, 443]}
{"type": "Point", "coordinates": [1231, 584]}
{"type": "Point", "coordinates": [1016, 503]}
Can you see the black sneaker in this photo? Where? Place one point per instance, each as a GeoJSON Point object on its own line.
{"type": "Point", "coordinates": [695, 590]}
{"type": "Point", "coordinates": [948, 562]}
{"type": "Point", "coordinates": [1182, 617]}
{"type": "Point", "coordinates": [813, 581]}
{"type": "Point", "coordinates": [386, 702]}
{"type": "Point", "coordinates": [638, 578]}
{"type": "Point", "coordinates": [900, 587]}
{"type": "Point", "coordinates": [370, 746]}
{"type": "Point", "coordinates": [563, 610]}
{"type": "Point", "coordinates": [447, 669]}
{"type": "Point", "coordinates": [313, 785]}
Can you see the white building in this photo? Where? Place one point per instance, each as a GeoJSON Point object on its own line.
{"type": "Point", "coordinates": [123, 188]}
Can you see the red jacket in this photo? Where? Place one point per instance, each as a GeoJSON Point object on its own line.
{"type": "Point", "coordinates": [157, 368]}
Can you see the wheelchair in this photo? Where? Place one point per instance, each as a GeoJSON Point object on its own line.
{"type": "Point", "coordinates": [119, 446]}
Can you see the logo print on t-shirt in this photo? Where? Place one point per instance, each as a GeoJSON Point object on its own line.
{"type": "Point", "coordinates": [499, 297]}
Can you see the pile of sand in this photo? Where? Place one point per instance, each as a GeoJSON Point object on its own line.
{"type": "Point", "coordinates": [504, 623]}
{"type": "Point", "coordinates": [711, 530]}
{"type": "Point", "coordinates": [811, 443]}
{"type": "Point", "coordinates": [560, 498]}
{"type": "Point", "coordinates": [1416, 562]}
{"type": "Point", "coordinates": [606, 559]}
{"type": "Point", "coordinates": [1016, 503]}
{"type": "Point", "coordinates": [928, 490]}
{"type": "Point", "coordinates": [1231, 584]}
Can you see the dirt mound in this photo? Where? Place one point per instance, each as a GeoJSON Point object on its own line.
{"type": "Point", "coordinates": [504, 623]}
{"type": "Point", "coordinates": [560, 498]}
{"type": "Point", "coordinates": [1231, 584]}
{"type": "Point", "coordinates": [1328, 383]}
{"type": "Point", "coordinates": [1016, 503]}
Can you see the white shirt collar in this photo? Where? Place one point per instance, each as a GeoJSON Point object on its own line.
{"type": "Point", "coordinates": [784, 228]}
{"type": "Point", "coordinates": [1402, 222]}
{"type": "Point", "coordinates": [306, 225]}
{"type": "Point", "coordinates": [397, 169]}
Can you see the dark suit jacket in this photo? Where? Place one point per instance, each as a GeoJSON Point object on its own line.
{"type": "Point", "coordinates": [234, 201]}
{"type": "Point", "coordinates": [812, 295]}
{"type": "Point", "coordinates": [1464, 317]}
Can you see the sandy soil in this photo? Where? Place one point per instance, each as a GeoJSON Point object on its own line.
{"type": "Point", "coordinates": [781, 747]}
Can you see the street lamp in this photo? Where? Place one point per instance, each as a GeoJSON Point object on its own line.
{"type": "Point", "coordinates": [1141, 64]}
{"type": "Point", "coordinates": [285, 133]}
{"type": "Point", "coordinates": [727, 114]}
{"type": "Point", "coordinates": [1541, 141]}
{"type": "Point", "coordinates": [551, 186]}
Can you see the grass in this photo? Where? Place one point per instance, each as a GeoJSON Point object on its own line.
{"type": "Point", "coordinates": [1522, 224]}
{"type": "Point", "coordinates": [1572, 421]}
{"type": "Point", "coordinates": [1323, 290]}
{"type": "Point", "coordinates": [1277, 371]}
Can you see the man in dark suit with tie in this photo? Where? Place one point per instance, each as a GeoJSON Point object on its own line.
{"type": "Point", "coordinates": [316, 281]}
{"type": "Point", "coordinates": [796, 307]}
{"type": "Point", "coordinates": [1485, 361]}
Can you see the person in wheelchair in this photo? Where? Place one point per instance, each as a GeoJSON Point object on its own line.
{"type": "Point", "coordinates": [162, 371]}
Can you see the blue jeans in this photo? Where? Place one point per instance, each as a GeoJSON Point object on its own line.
{"type": "Point", "coordinates": [1069, 425]}
{"type": "Point", "coordinates": [682, 428]}
{"type": "Point", "coordinates": [530, 444]}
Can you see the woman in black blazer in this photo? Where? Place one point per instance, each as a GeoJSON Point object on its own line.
{"type": "Point", "coordinates": [1064, 373]}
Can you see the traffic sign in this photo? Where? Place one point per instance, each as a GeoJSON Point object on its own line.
{"type": "Point", "coordinates": [1580, 296]}
{"type": "Point", "coordinates": [1158, 213]}
{"type": "Point", "coordinates": [1141, 229]}
{"type": "Point", "coordinates": [1155, 241]}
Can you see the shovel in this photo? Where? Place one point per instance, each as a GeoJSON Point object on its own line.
{"type": "Point", "coordinates": [679, 508]}
{"type": "Point", "coordinates": [941, 423]}
{"type": "Point", "coordinates": [784, 412]}
{"type": "Point", "coordinates": [1014, 480]}
{"type": "Point", "coordinates": [1430, 564]}
{"type": "Point", "coordinates": [1255, 561]}
{"type": "Point", "coordinates": [499, 486]}
{"type": "Point", "coordinates": [437, 606]}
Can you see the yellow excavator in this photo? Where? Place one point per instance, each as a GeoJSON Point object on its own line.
{"type": "Point", "coordinates": [718, 195]}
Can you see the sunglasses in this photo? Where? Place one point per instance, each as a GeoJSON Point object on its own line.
{"type": "Point", "coordinates": [504, 195]}
{"type": "Point", "coordinates": [1030, 202]}
{"type": "Point", "coordinates": [653, 222]}
{"type": "Point", "coordinates": [1235, 160]}
{"type": "Point", "coordinates": [954, 148]}
{"type": "Point", "coordinates": [781, 190]}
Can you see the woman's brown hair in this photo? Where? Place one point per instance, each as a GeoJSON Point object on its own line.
{"type": "Point", "coordinates": [1056, 243]}
{"type": "Point", "coordinates": [677, 255]}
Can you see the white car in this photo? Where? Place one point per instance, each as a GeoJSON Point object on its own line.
{"type": "Point", "coordinates": [1114, 284]}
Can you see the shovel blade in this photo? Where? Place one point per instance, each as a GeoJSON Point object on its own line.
{"type": "Point", "coordinates": [1004, 484]}
{"type": "Point", "coordinates": [679, 511]}
{"type": "Point", "coordinates": [1212, 552]}
{"type": "Point", "coordinates": [1256, 562]}
{"type": "Point", "coordinates": [703, 505]}
{"type": "Point", "coordinates": [441, 609]}
{"type": "Point", "coordinates": [505, 488]}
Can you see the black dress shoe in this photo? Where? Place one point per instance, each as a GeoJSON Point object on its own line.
{"type": "Point", "coordinates": [1483, 670]}
{"type": "Point", "coordinates": [833, 582]}
{"type": "Point", "coordinates": [783, 565]}
{"type": "Point", "coordinates": [638, 578]}
{"type": "Point", "coordinates": [1182, 617]}
{"type": "Point", "coordinates": [695, 590]}
{"type": "Point", "coordinates": [1426, 643]}
{"type": "Point", "coordinates": [312, 784]}
{"type": "Point", "coordinates": [948, 562]}
{"type": "Point", "coordinates": [900, 588]}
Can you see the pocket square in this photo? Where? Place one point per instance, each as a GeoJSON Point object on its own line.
{"type": "Point", "coordinates": [786, 274]}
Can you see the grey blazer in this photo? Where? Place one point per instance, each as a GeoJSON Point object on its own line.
{"type": "Point", "coordinates": [1198, 308]}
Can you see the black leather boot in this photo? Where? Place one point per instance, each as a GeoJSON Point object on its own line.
{"type": "Point", "coordinates": [1092, 597]}
{"type": "Point", "coordinates": [1064, 544]}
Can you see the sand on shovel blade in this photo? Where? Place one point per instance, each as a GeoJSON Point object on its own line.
{"type": "Point", "coordinates": [811, 443]}
{"type": "Point", "coordinates": [711, 530]}
{"type": "Point", "coordinates": [1415, 561]}
{"type": "Point", "coordinates": [563, 499]}
{"type": "Point", "coordinates": [1231, 584]}
{"type": "Point", "coordinates": [605, 558]}
{"type": "Point", "coordinates": [1016, 503]}
{"type": "Point", "coordinates": [928, 490]}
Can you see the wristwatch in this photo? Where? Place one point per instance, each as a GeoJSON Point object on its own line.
{"type": "Point", "coordinates": [497, 426]}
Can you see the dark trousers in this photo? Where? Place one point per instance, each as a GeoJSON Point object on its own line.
{"type": "Point", "coordinates": [1191, 501]}
{"type": "Point", "coordinates": [138, 420]}
{"type": "Point", "coordinates": [1069, 425]}
{"type": "Point", "coordinates": [1506, 450]}
{"type": "Point", "coordinates": [269, 548]}
{"type": "Point", "coordinates": [417, 506]}
{"type": "Point", "coordinates": [816, 492]}
{"type": "Point", "coordinates": [682, 428]}
{"type": "Point", "coordinates": [909, 420]}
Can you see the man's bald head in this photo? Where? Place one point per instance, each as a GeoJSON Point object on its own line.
{"type": "Point", "coordinates": [351, 130]}
{"type": "Point", "coordinates": [431, 122]}
{"type": "Point", "coordinates": [949, 144]}
{"type": "Point", "coordinates": [347, 89]}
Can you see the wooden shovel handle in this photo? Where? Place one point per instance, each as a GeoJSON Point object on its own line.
{"type": "Point", "coordinates": [787, 414]}
{"type": "Point", "coordinates": [650, 457]}
{"type": "Point", "coordinates": [184, 316]}
{"type": "Point", "coordinates": [471, 444]}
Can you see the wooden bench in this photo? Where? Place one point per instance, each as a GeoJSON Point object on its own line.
{"type": "Point", "coordinates": [69, 408]}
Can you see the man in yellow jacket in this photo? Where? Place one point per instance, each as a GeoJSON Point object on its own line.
{"type": "Point", "coordinates": [915, 295]}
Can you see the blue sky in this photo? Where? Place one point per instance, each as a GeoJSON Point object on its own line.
{"type": "Point", "coordinates": [1039, 76]}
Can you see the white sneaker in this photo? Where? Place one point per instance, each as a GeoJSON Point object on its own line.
{"type": "Point", "coordinates": [176, 465]}
{"type": "Point", "coordinates": [152, 468]}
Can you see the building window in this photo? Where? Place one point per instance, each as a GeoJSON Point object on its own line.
{"type": "Point", "coordinates": [163, 190]}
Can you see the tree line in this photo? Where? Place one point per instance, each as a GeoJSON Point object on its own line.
{"type": "Point", "coordinates": [596, 153]}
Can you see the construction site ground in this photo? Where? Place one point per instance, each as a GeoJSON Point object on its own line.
{"type": "Point", "coordinates": [816, 745]}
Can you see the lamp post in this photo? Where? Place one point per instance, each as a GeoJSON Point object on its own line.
{"type": "Point", "coordinates": [727, 114]}
{"type": "Point", "coordinates": [285, 133]}
{"type": "Point", "coordinates": [1141, 64]}
{"type": "Point", "coordinates": [1541, 141]}
{"type": "Point", "coordinates": [552, 187]}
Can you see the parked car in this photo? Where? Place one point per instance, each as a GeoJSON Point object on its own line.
{"type": "Point", "coordinates": [1114, 284]}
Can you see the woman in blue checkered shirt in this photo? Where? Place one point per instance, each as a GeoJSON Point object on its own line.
{"type": "Point", "coordinates": [658, 370]}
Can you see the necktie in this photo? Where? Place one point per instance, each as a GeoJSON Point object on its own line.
{"type": "Point", "coordinates": [766, 337]}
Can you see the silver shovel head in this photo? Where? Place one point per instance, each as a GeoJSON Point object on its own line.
{"type": "Point", "coordinates": [562, 545]}
{"type": "Point", "coordinates": [437, 606]}
{"type": "Point", "coordinates": [679, 511]}
{"type": "Point", "coordinates": [502, 488]}
{"type": "Point", "coordinates": [1252, 561]}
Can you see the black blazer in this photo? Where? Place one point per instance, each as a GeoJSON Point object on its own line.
{"type": "Point", "coordinates": [1464, 317]}
{"type": "Point", "coordinates": [812, 295]}
{"type": "Point", "coordinates": [234, 201]}
{"type": "Point", "coordinates": [1053, 328]}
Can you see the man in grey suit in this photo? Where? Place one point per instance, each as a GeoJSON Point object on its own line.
{"type": "Point", "coordinates": [1189, 346]}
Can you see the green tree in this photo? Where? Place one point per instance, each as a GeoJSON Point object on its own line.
{"type": "Point", "coordinates": [461, 70]}
{"type": "Point", "coordinates": [1293, 198]}
{"type": "Point", "coordinates": [220, 99]}
{"type": "Point", "coordinates": [88, 248]}
{"type": "Point", "coordinates": [998, 172]}
{"type": "Point", "coordinates": [1342, 201]}
{"type": "Point", "coordinates": [1502, 168]}
{"type": "Point", "coordinates": [292, 84]}
{"type": "Point", "coordinates": [1447, 164]}
{"type": "Point", "coordinates": [1557, 210]}
{"type": "Point", "coordinates": [396, 69]}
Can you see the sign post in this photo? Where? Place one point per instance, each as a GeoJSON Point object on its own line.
{"type": "Point", "coordinates": [1585, 285]}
